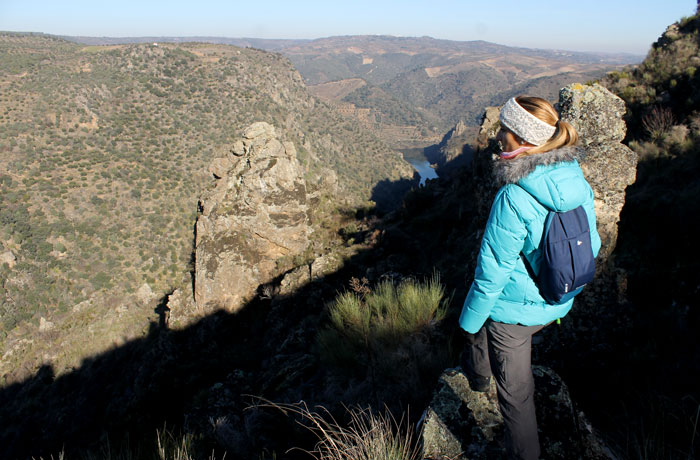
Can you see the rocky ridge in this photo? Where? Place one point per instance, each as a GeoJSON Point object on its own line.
{"type": "Point", "coordinates": [254, 234]}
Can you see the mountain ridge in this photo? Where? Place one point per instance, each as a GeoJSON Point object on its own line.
{"type": "Point", "coordinates": [271, 44]}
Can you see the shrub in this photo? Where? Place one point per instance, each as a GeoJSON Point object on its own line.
{"type": "Point", "coordinates": [678, 136]}
{"type": "Point", "coordinates": [658, 122]}
{"type": "Point", "coordinates": [369, 327]}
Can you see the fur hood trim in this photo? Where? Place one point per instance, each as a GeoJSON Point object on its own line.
{"type": "Point", "coordinates": [511, 171]}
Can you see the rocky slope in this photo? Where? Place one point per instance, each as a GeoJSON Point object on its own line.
{"type": "Point", "coordinates": [658, 250]}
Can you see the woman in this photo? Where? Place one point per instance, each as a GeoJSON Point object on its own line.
{"type": "Point", "coordinates": [538, 172]}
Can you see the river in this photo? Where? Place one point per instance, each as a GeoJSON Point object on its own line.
{"type": "Point", "coordinates": [416, 157]}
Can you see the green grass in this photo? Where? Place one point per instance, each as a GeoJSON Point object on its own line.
{"type": "Point", "coordinates": [370, 324]}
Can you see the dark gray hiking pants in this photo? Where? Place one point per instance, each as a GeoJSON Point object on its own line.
{"type": "Point", "coordinates": [504, 351]}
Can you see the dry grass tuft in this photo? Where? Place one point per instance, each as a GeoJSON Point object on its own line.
{"type": "Point", "coordinates": [368, 436]}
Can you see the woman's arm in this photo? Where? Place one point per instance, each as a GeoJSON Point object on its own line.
{"type": "Point", "coordinates": [501, 244]}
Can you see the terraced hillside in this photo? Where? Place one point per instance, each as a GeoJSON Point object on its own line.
{"type": "Point", "coordinates": [432, 84]}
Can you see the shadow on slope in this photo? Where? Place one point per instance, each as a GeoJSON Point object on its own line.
{"type": "Point", "coordinates": [193, 379]}
{"type": "Point", "coordinates": [637, 366]}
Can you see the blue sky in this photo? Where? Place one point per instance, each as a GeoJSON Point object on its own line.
{"type": "Point", "coordinates": [593, 25]}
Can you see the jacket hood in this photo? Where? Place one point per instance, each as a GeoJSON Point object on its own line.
{"type": "Point", "coordinates": [553, 178]}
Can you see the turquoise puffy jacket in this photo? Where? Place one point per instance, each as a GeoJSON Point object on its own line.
{"type": "Point", "coordinates": [502, 289]}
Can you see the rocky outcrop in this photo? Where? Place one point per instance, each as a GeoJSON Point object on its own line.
{"type": "Point", "coordinates": [489, 123]}
{"type": "Point", "coordinates": [453, 151]}
{"type": "Point", "coordinates": [8, 258]}
{"type": "Point", "coordinates": [610, 166]}
{"type": "Point", "coordinates": [255, 216]}
{"type": "Point", "coordinates": [462, 424]}
{"type": "Point", "coordinates": [452, 143]}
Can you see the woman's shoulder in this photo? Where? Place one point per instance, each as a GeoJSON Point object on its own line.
{"type": "Point", "coordinates": [513, 171]}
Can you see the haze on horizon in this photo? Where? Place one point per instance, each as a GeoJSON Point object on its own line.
{"type": "Point", "coordinates": [628, 26]}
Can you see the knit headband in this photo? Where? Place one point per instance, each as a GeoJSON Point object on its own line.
{"type": "Point", "coordinates": [524, 124]}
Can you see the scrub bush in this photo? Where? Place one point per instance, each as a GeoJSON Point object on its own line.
{"type": "Point", "coordinates": [375, 327]}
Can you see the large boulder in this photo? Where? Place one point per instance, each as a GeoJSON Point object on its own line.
{"type": "Point", "coordinates": [462, 424]}
{"type": "Point", "coordinates": [254, 218]}
{"type": "Point", "coordinates": [8, 258]}
{"type": "Point", "coordinates": [610, 166]}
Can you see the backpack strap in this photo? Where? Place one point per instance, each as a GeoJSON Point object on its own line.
{"type": "Point", "coordinates": [528, 267]}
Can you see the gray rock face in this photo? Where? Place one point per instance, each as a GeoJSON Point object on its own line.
{"type": "Point", "coordinates": [489, 123]}
{"type": "Point", "coordinates": [462, 424]}
{"type": "Point", "coordinates": [255, 215]}
{"type": "Point", "coordinates": [595, 112]}
{"type": "Point", "coordinates": [610, 166]}
{"type": "Point", "coordinates": [454, 150]}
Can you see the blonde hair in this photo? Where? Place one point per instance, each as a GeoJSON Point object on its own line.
{"type": "Point", "coordinates": [565, 134]}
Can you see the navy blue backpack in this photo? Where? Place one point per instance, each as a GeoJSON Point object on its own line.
{"type": "Point", "coordinates": [568, 263]}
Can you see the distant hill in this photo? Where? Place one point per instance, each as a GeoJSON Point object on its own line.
{"type": "Point", "coordinates": [412, 90]}
{"type": "Point", "coordinates": [260, 43]}
{"type": "Point", "coordinates": [428, 83]}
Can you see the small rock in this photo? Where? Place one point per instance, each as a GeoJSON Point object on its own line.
{"type": "Point", "coordinates": [324, 265]}
{"type": "Point", "coordinates": [259, 129]}
{"type": "Point", "coordinates": [81, 306]}
{"type": "Point", "coordinates": [238, 148]}
{"type": "Point", "coordinates": [45, 325]}
{"type": "Point", "coordinates": [8, 258]}
{"type": "Point", "coordinates": [220, 166]}
{"type": "Point", "coordinates": [144, 294]}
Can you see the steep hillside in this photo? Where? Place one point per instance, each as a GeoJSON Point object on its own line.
{"type": "Point", "coordinates": [656, 352]}
{"type": "Point", "coordinates": [663, 95]}
{"type": "Point", "coordinates": [103, 155]}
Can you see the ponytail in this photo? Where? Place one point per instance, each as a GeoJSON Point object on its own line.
{"type": "Point", "coordinates": [564, 136]}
